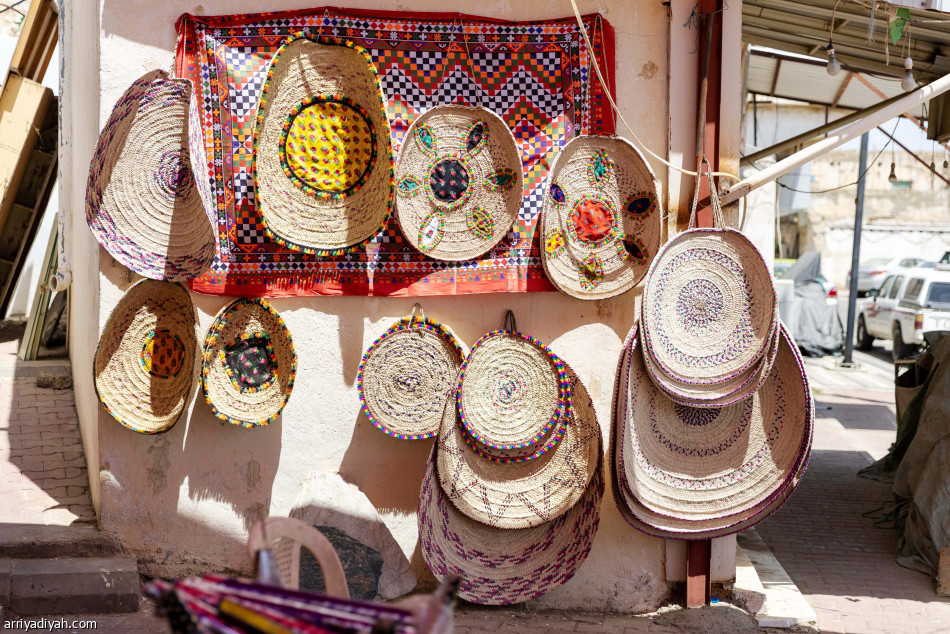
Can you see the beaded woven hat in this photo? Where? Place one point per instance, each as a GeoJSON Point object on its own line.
{"type": "Point", "coordinates": [248, 364]}
{"type": "Point", "coordinates": [406, 376]}
{"type": "Point", "coordinates": [600, 221]}
{"type": "Point", "coordinates": [147, 199]}
{"type": "Point", "coordinates": [514, 494]}
{"type": "Point", "coordinates": [322, 149]}
{"type": "Point", "coordinates": [709, 305]}
{"type": "Point", "coordinates": [512, 390]}
{"type": "Point", "coordinates": [697, 473]}
{"type": "Point", "coordinates": [144, 368]}
{"type": "Point", "coordinates": [458, 182]}
{"type": "Point", "coordinates": [504, 567]}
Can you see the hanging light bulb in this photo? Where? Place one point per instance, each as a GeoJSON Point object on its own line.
{"type": "Point", "coordinates": [892, 177]}
{"type": "Point", "coordinates": [908, 82]}
{"type": "Point", "coordinates": [946, 164]}
{"type": "Point", "coordinates": [833, 66]}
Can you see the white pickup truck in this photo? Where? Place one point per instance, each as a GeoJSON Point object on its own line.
{"type": "Point", "coordinates": [908, 304]}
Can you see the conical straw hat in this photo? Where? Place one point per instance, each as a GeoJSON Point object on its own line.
{"type": "Point", "coordinates": [512, 389]}
{"type": "Point", "coordinates": [405, 377]}
{"type": "Point", "coordinates": [248, 364]}
{"type": "Point", "coordinates": [705, 472]}
{"type": "Point", "coordinates": [322, 150]}
{"type": "Point", "coordinates": [501, 567]}
{"type": "Point", "coordinates": [600, 221]}
{"type": "Point", "coordinates": [458, 182]}
{"type": "Point", "coordinates": [148, 200]}
{"type": "Point", "coordinates": [520, 494]}
{"type": "Point", "coordinates": [145, 363]}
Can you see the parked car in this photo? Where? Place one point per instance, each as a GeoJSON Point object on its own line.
{"type": "Point", "coordinates": [907, 305]}
{"type": "Point", "coordinates": [871, 273]}
{"type": "Point", "coordinates": [808, 304]}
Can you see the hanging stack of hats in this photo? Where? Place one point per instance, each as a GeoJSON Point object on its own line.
{"type": "Point", "coordinates": [511, 496]}
{"type": "Point", "coordinates": [713, 416]}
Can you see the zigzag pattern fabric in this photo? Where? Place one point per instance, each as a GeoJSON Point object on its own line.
{"type": "Point", "coordinates": [535, 76]}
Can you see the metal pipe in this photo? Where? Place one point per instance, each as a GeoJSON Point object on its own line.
{"type": "Point", "coordinates": [769, 174]}
{"type": "Point", "coordinates": [856, 254]}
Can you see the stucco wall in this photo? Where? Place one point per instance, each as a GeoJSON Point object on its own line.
{"type": "Point", "coordinates": [183, 500]}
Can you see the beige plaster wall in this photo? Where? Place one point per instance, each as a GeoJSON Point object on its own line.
{"type": "Point", "coordinates": [184, 500]}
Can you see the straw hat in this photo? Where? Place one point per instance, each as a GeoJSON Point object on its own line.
{"type": "Point", "coordinates": [504, 567]}
{"type": "Point", "coordinates": [705, 472]}
{"type": "Point", "coordinates": [512, 389]}
{"type": "Point", "coordinates": [600, 222]}
{"type": "Point", "coordinates": [709, 303]}
{"type": "Point", "coordinates": [143, 201]}
{"type": "Point", "coordinates": [405, 377]}
{"type": "Point", "coordinates": [458, 182]}
{"type": "Point", "coordinates": [145, 363]}
{"type": "Point", "coordinates": [520, 494]}
{"type": "Point", "coordinates": [322, 149]}
{"type": "Point", "coordinates": [248, 363]}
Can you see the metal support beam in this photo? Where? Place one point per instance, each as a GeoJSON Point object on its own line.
{"type": "Point", "coordinates": [778, 69]}
{"type": "Point", "coordinates": [856, 253]}
{"type": "Point", "coordinates": [841, 89]}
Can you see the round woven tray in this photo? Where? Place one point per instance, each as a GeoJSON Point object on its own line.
{"type": "Point", "coordinates": [458, 182]}
{"type": "Point", "coordinates": [144, 367]}
{"type": "Point", "coordinates": [600, 220]}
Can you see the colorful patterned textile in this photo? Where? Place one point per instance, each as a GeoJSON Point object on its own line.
{"type": "Point", "coordinates": [536, 76]}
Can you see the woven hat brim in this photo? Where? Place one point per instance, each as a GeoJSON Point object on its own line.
{"type": "Point", "coordinates": [519, 495]}
{"type": "Point", "coordinates": [405, 377]}
{"type": "Point", "coordinates": [504, 567]}
{"type": "Point", "coordinates": [147, 202]}
{"type": "Point", "coordinates": [629, 178]}
{"type": "Point", "coordinates": [246, 317]}
{"type": "Point", "coordinates": [698, 331]}
{"type": "Point", "coordinates": [142, 401]}
{"type": "Point", "coordinates": [298, 216]}
{"type": "Point", "coordinates": [675, 467]}
{"type": "Point", "coordinates": [458, 233]}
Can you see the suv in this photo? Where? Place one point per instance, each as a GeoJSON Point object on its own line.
{"type": "Point", "coordinates": [907, 305]}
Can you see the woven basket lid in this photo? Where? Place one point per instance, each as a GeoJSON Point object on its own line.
{"type": "Point", "coordinates": [600, 221]}
{"type": "Point", "coordinates": [406, 375]}
{"type": "Point", "coordinates": [520, 494]}
{"type": "Point", "coordinates": [711, 469]}
{"type": "Point", "coordinates": [145, 364]}
{"type": "Point", "coordinates": [512, 389]}
{"type": "Point", "coordinates": [248, 363]}
{"type": "Point", "coordinates": [504, 567]}
{"type": "Point", "coordinates": [732, 390]}
{"type": "Point", "coordinates": [458, 182]}
{"type": "Point", "coordinates": [148, 200]}
{"type": "Point", "coordinates": [322, 149]}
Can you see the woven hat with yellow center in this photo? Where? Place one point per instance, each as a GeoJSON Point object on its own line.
{"type": "Point", "coordinates": [600, 221]}
{"type": "Point", "coordinates": [458, 182]}
{"type": "Point", "coordinates": [145, 363]}
{"type": "Point", "coordinates": [697, 473]}
{"type": "Point", "coordinates": [248, 364]}
{"type": "Point", "coordinates": [521, 494]}
{"type": "Point", "coordinates": [709, 305]}
{"type": "Point", "coordinates": [322, 149]}
{"type": "Point", "coordinates": [148, 201]}
{"type": "Point", "coordinates": [405, 377]}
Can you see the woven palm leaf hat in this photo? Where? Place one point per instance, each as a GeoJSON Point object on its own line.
{"type": "Point", "coordinates": [458, 182]}
{"type": "Point", "coordinates": [512, 392]}
{"type": "Point", "coordinates": [709, 307]}
{"type": "Point", "coordinates": [502, 567]}
{"type": "Point", "coordinates": [516, 494]}
{"type": "Point", "coordinates": [698, 473]}
{"type": "Point", "coordinates": [144, 367]}
{"type": "Point", "coordinates": [322, 148]}
{"type": "Point", "coordinates": [600, 221]}
{"type": "Point", "coordinates": [148, 202]}
{"type": "Point", "coordinates": [406, 375]}
{"type": "Point", "coordinates": [248, 364]}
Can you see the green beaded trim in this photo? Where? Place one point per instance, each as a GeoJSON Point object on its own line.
{"type": "Point", "coordinates": [615, 231]}
{"type": "Point", "coordinates": [327, 41]}
{"type": "Point", "coordinates": [148, 339]}
{"type": "Point", "coordinates": [554, 243]}
{"type": "Point", "coordinates": [475, 151]}
{"type": "Point", "coordinates": [466, 195]}
{"type": "Point", "coordinates": [591, 272]}
{"type": "Point", "coordinates": [629, 257]}
{"type": "Point", "coordinates": [600, 169]}
{"type": "Point", "coordinates": [480, 222]}
{"type": "Point", "coordinates": [502, 180]}
{"type": "Point", "coordinates": [650, 207]}
{"type": "Point", "coordinates": [425, 139]}
{"type": "Point", "coordinates": [436, 237]}
{"type": "Point", "coordinates": [409, 186]}
{"type": "Point", "coordinates": [222, 357]}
